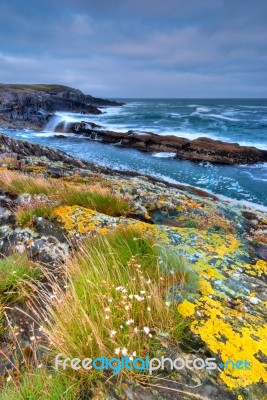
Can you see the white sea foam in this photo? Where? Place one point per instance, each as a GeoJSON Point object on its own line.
{"type": "Point", "coordinates": [164, 155]}
{"type": "Point", "coordinates": [223, 117]}
{"type": "Point", "coordinates": [203, 109]}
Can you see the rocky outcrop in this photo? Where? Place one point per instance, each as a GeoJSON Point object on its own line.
{"type": "Point", "coordinates": [201, 149]}
{"type": "Point", "coordinates": [33, 105]}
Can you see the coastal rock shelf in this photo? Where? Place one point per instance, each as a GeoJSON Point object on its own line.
{"type": "Point", "coordinates": [201, 149]}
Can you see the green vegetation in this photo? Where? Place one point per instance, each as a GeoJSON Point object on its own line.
{"type": "Point", "coordinates": [18, 183]}
{"type": "Point", "coordinates": [41, 384]}
{"type": "Point", "coordinates": [103, 203]}
{"type": "Point", "coordinates": [25, 215]}
{"type": "Point", "coordinates": [35, 87]}
{"type": "Point", "coordinates": [115, 299]}
{"type": "Point", "coordinates": [15, 273]}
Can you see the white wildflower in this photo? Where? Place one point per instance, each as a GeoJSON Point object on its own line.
{"type": "Point", "coordinates": [113, 333]}
{"type": "Point", "coordinates": [124, 351]}
{"type": "Point", "coordinates": [146, 330]}
{"type": "Point", "coordinates": [117, 351]}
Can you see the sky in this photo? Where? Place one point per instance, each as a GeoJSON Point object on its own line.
{"type": "Point", "coordinates": [137, 48]}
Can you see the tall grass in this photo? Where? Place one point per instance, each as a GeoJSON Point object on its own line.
{"type": "Point", "coordinates": [102, 202]}
{"type": "Point", "coordinates": [17, 183]}
{"type": "Point", "coordinates": [15, 271]}
{"type": "Point", "coordinates": [41, 384]}
{"type": "Point", "coordinates": [115, 301]}
{"type": "Point", "coordinates": [25, 214]}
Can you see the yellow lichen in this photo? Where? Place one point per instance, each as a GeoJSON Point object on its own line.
{"type": "Point", "coordinates": [186, 308]}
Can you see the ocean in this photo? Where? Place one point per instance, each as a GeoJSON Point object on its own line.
{"type": "Point", "coordinates": [233, 120]}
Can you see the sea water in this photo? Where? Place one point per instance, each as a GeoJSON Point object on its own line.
{"type": "Point", "coordinates": [243, 121]}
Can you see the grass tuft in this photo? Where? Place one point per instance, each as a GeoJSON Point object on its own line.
{"type": "Point", "coordinates": [41, 384]}
{"type": "Point", "coordinates": [16, 271]}
{"type": "Point", "coordinates": [25, 214]}
{"type": "Point", "coordinates": [101, 202]}
{"type": "Point", "coordinates": [115, 301]}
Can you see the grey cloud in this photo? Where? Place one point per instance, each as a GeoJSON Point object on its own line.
{"type": "Point", "coordinates": [160, 48]}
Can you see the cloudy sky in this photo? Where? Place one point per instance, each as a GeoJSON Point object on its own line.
{"type": "Point", "coordinates": [137, 48]}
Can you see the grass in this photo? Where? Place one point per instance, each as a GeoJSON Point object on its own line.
{"type": "Point", "coordinates": [25, 215]}
{"type": "Point", "coordinates": [101, 202]}
{"type": "Point", "coordinates": [115, 301]}
{"type": "Point", "coordinates": [15, 271]}
{"type": "Point", "coordinates": [17, 183]}
{"type": "Point", "coordinates": [41, 384]}
{"type": "Point", "coordinates": [34, 86]}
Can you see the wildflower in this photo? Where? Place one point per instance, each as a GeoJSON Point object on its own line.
{"type": "Point", "coordinates": [129, 322]}
{"type": "Point", "coordinates": [124, 351]}
{"type": "Point", "coordinates": [135, 329]}
{"type": "Point", "coordinates": [148, 308]}
{"type": "Point", "coordinates": [142, 291]}
{"type": "Point", "coordinates": [117, 351]}
{"type": "Point", "coordinates": [106, 316]}
{"type": "Point", "coordinates": [134, 354]}
{"type": "Point", "coordinates": [110, 300]}
{"type": "Point", "coordinates": [107, 309]}
{"type": "Point", "coordinates": [113, 333]}
{"type": "Point", "coordinates": [168, 303]}
{"type": "Point", "coordinates": [131, 296]}
{"type": "Point", "coordinates": [148, 281]}
{"type": "Point", "coordinates": [146, 330]}
{"type": "Point", "coordinates": [32, 338]}
{"type": "Point", "coordinates": [127, 308]}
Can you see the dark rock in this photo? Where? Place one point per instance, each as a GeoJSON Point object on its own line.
{"type": "Point", "coordinates": [5, 201]}
{"type": "Point", "coordinates": [34, 105]}
{"type": "Point", "coordinates": [60, 137]}
{"type": "Point", "coordinates": [48, 228]}
{"type": "Point", "coordinates": [201, 149]}
{"type": "Point", "coordinates": [6, 217]}
{"type": "Point", "coordinates": [48, 250]}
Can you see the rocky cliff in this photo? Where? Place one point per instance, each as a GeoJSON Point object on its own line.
{"type": "Point", "coordinates": [33, 105]}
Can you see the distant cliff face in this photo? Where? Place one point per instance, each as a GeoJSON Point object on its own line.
{"type": "Point", "coordinates": [32, 105]}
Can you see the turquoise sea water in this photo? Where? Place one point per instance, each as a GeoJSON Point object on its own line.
{"type": "Point", "coordinates": [242, 121]}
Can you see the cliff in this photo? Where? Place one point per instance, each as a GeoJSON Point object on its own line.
{"type": "Point", "coordinates": [33, 105]}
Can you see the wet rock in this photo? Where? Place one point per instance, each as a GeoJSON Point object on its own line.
{"type": "Point", "coordinates": [201, 149]}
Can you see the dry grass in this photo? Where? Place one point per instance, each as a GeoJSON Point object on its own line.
{"type": "Point", "coordinates": [114, 302]}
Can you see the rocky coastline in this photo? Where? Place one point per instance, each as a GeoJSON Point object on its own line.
{"type": "Point", "coordinates": [201, 149]}
{"type": "Point", "coordinates": [212, 282]}
{"type": "Point", "coordinates": [224, 244]}
{"type": "Point", "coordinates": [33, 106]}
